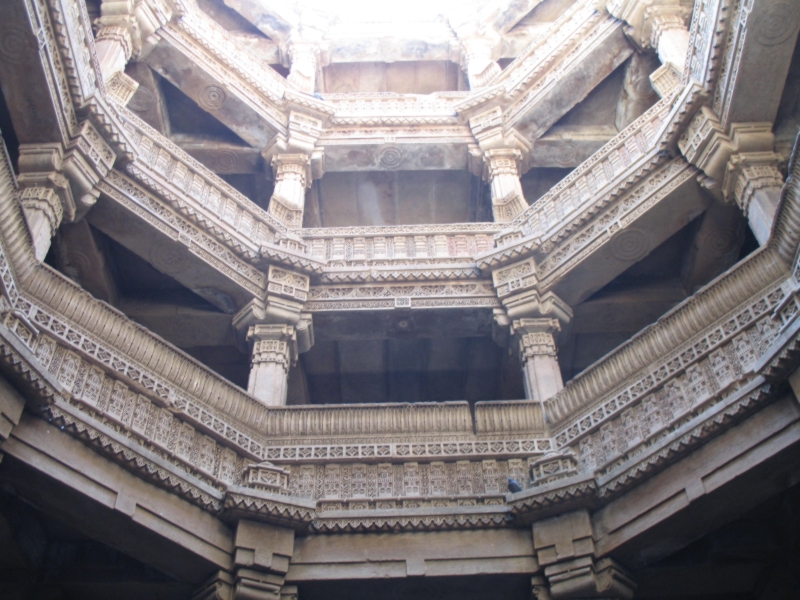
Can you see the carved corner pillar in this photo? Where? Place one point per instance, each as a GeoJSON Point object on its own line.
{"type": "Point", "coordinates": [564, 546]}
{"type": "Point", "coordinates": [304, 60]}
{"type": "Point", "coordinates": [478, 61]}
{"type": "Point", "coordinates": [292, 178]}
{"type": "Point", "coordinates": [537, 353]}
{"type": "Point", "coordinates": [507, 198]}
{"type": "Point", "coordinates": [755, 183]}
{"type": "Point", "coordinates": [114, 50]}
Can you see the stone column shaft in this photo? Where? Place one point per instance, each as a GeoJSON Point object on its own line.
{"type": "Point", "coordinates": [292, 177]}
{"type": "Point", "coordinates": [537, 353]}
{"type": "Point", "coordinates": [507, 198]}
{"type": "Point", "coordinates": [274, 350]}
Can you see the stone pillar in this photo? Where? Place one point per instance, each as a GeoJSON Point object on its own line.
{"type": "Point", "coordinates": [537, 353]}
{"type": "Point", "coordinates": [304, 65]}
{"type": "Point", "coordinates": [292, 177]}
{"type": "Point", "coordinates": [274, 349]}
{"type": "Point", "coordinates": [45, 193]}
{"type": "Point", "coordinates": [659, 25]}
{"type": "Point", "coordinates": [564, 547]}
{"type": "Point", "coordinates": [479, 64]}
{"type": "Point", "coordinates": [755, 183]}
{"type": "Point", "coordinates": [670, 38]}
{"type": "Point", "coordinates": [508, 200]}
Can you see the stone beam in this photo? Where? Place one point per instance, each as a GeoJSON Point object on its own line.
{"type": "Point", "coordinates": [250, 121]}
{"type": "Point", "coordinates": [424, 554]}
{"type": "Point", "coordinates": [141, 223]}
{"type": "Point", "coordinates": [101, 499]}
{"type": "Point", "coordinates": [148, 101]}
{"type": "Point", "coordinates": [28, 82]}
{"type": "Point", "coordinates": [204, 61]}
{"type": "Point", "coordinates": [567, 146]}
{"type": "Point", "coordinates": [221, 157]}
{"type": "Point", "coordinates": [273, 18]}
{"type": "Point", "coordinates": [675, 200]}
{"type": "Point", "coordinates": [718, 482]}
{"type": "Point", "coordinates": [181, 325]}
{"type": "Point", "coordinates": [82, 257]}
{"type": "Point", "coordinates": [755, 62]}
{"type": "Point", "coordinates": [715, 247]}
{"type": "Point", "coordinates": [539, 99]}
{"type": "Point", "coordinates": [451, 148]}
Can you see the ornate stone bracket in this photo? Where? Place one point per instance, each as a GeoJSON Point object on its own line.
{"type": "Point", "coordinates": [59, 184]}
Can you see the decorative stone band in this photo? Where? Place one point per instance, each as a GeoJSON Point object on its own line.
{"type": "Point", "coordinates": [388, 296]}
{"type": "Point", "coordinates": [418, 243]}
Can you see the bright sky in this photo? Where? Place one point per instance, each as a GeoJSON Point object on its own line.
{"type": "Point", "coordinates": [387, 10]}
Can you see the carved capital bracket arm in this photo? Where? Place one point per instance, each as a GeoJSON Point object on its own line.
{"type": "Point", "coordinates": [661, 26]}
{"type": "Point", "coordinates": [740, 166]}
{"type": "Point", "coordinates": [261, 558]}
{"type": "Point", "coordinates": [58, 184]}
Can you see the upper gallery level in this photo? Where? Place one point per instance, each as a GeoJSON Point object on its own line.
{"type": "Point", "coordinates": [393, 197]}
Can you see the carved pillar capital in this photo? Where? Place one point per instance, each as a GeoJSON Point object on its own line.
{"type": "Point", "coordinates": [535, 337]}
{"type": "Point", "coordinates": [478, 60]}
{"type": "Point", "coordinates": [45, 193]}
{"type": "Point", "coordinates": [748, 172]}
{"type": "Point", "coordinates": [273, 344]}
